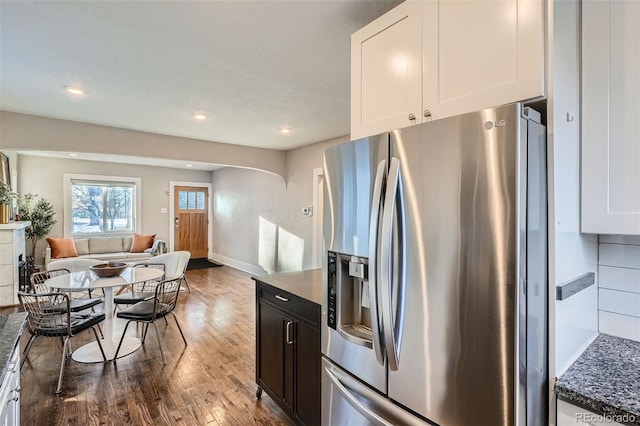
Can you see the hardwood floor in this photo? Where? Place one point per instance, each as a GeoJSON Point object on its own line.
{"type": "Point", "coordinates": [210, 381]}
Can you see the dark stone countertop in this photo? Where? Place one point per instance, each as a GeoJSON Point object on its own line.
{"type": "Point", "coordinates": [304, 284]}
{"type": "Point", "coordinates": [605, 379]}
{"type": "Point", "coordinates": [11, 327]}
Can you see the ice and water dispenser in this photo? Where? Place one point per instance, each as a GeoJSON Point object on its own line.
{"type": "Point", "coordinates": [349, 299]}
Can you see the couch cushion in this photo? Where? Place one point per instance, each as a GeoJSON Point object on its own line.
{"type": "Point", "coordinates": [126, 243]}
{"type": "Point", "coordinates": [82, 246]}
{"type": "Point", "coordinates": [62, 247]}
{"type": "Point", "coordinates": [121, 256]}
{"type": "Point", "coordinates": [109, 256]}
{"type": "Point", "coordinates": [137, 256]}
{"type": "Point", "coordinates": [105, 245]}
{"type": "Point", "coordinates": [141, 242]}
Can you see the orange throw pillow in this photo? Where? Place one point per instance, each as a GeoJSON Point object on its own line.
{"type": "Point", "coordinates": [141, 242]}
{"type": "Point", "coordinates": [62, 247]}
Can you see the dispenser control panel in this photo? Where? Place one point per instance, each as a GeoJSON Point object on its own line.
{"type": "Point", "coordinates": [332, 288]}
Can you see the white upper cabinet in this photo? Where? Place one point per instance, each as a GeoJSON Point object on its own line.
{"type": "Point", "coordinates": [386, 71]}
{"type": "Point", "coordinates": [426, 60]}
{"type": "Point", "coordinates": [481, 54]}
{"type": "Point", "coordinates": [611, 117]}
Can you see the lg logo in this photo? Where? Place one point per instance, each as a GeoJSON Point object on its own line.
{"type": "Point", "coordinates": [490, 124]}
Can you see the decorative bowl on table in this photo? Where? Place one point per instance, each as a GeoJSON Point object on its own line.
{"type": "Point", "coordinates": [108, 270]}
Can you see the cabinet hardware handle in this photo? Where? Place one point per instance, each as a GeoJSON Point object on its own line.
{"type": "Point", "coordinates": [284, 299]}
{"type": "Point", "coordinates": [289, 341]}
{"type": "Point", "coordinates": [16, 395]}
{"type": "Point", "coordinates": [427, 114]}
{"type": "Point", "coordinates": [412, 117]}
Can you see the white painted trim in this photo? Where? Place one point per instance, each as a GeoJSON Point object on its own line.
{"type": "Point", "coordinates": [237, 264]}
{"type": "Point", "coordinates": [66, 194]}
{"type": "Point", "coordinates": [209, 186]}
{"type": "Point", "coordinates": [316, 239]}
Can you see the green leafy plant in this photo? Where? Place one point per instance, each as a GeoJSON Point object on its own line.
{"type": "Point", "coordinates": [40, 214]}
{"type": "Point", "coordinates": [6, 194]}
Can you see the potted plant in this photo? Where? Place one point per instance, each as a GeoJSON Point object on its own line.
{"type": "Point", "coordinates": [41, 215]}
{"type": "Point", "coordinates": [7, 196]}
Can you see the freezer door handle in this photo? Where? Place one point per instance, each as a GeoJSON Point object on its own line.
{"type": "Point", "coordinates": [355, 403]}
{"type": "Point", "coordinates": [374, 407]}
{"type": "Point", "coordinates": [392, 270]}
{"type": "Point", "coordinates": [374, 293]}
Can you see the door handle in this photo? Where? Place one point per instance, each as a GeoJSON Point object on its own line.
{"type": "Point", "coordinates": [374, 294]}
{"type": "Point", "coordinates": [288, 338]}
{"type": "Point", "coordinates": [354, 401]}
{"type": "Point", "coordinates": [284, 299]}
{"type": "Point", "coordinates": [392, 276]}
{"type": "Point", "coordinates": [15, 394]}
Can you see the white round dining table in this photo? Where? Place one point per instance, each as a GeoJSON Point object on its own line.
{"type": "Point", "coordinates": [87, 280]}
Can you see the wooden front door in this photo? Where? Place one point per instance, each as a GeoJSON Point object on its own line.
{"type": "Point", "coordinates": [191, 211]}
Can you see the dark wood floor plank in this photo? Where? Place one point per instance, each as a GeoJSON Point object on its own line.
{"type": "Point", "coordinates": [211, 381]}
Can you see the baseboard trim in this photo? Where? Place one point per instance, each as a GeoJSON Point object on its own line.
{"type": "Point", "coordinates": [237, 264]}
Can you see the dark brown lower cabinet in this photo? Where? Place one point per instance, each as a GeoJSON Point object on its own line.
{"type": "Point", "coordinates": [288, 352]}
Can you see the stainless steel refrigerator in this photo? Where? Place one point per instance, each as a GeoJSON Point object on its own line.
{"type": "Point", "coordinates": [435, 276]}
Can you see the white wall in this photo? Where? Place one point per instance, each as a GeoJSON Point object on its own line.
{"type": "Point", "coordinates": [574, 321]}
{"type": "Point", "coordinates": [44, 176]}
{"type": "Point", "coordinates": [619, 286]}
{"type": "Point", "coordinates": [247, 210]}
{"type": "Point", "coordinates": [258, 222]}
{"type": "Point", "coordinates": [300, 165]}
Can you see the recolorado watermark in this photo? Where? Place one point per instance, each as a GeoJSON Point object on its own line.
{"type": "Point", "coordinates": [606, 418]}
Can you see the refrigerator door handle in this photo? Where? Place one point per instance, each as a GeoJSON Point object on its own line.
{"type": "Point", "coordinates": [392, 271]}
{"type": "Point", "coordinates": [373, 406]}
{"type": "Point", "coordinates": [374, 293]}
{"type": "Point", "coordinates": [355, 403]}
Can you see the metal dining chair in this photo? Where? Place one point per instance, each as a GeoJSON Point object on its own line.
{"type": "Point", "coordinates": [76, 304]}
{"type": "Point", "coordinates": [49, 315]}
{"type": "Point", "coordinates": [148, 311]}
{"type": "Point", "coordinates": [140, 292]}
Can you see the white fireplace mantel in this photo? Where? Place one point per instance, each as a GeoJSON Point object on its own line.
{"type": "Point", "coordinates": [14, 225]}
{"type": "Point", "coordinates": [12, 250]}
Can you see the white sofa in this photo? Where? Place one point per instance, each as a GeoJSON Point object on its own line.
{"type": "Point", "coordinates": [109, 249]}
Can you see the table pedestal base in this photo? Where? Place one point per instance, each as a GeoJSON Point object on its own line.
{"type": "Point", "coordinates": [91, 352]}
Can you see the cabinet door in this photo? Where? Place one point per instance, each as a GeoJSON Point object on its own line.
{"type": "Point", "coordinates": [307, 374]}
{"type": "Point", "coordinates": [10, 393]}
{"type": "Point", "coordinates": [611, 117]}
{"type": "Point", "coordinates": [570, 415]}
{"type": "Point", "coordinates": [481, 54]}
{"type": "Point", "coordinates": [271, 359]}
{"type": "Point", "coordinates": [386, 74]}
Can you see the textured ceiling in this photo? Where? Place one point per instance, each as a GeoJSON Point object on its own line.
{"type": "Point", "coordinates": [251, 66]}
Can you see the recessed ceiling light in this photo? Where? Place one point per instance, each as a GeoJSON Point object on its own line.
{"type": "Point", "coordinates": [75, 90]}
{"type": "Point", "coordinates": [199, 116]}
{"type": "Point", "coordinates": [189, 165]}
{"type": "Point", "coordinates": [73, 154]}
{"type": "Point", "coordinates": [285, 130]}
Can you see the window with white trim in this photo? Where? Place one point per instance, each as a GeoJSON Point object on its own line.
{"type": "Point", "coordinates": [101, 205]}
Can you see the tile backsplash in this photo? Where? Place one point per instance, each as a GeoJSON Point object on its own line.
{"type": "Point", "coordinates": [619, 285]}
